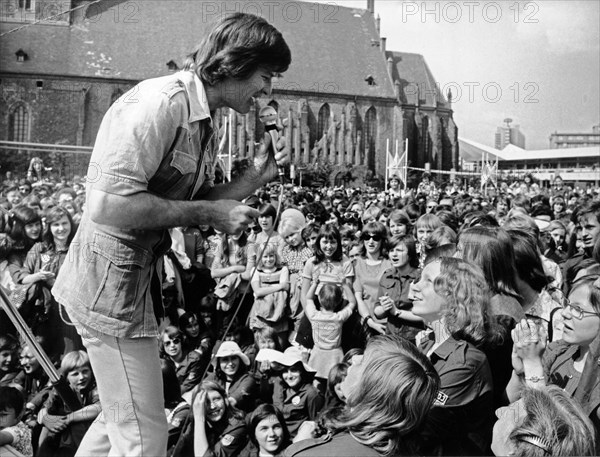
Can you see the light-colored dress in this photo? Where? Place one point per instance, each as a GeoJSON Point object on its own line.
{"type": "Point", "coordinates": [270, 310]}
{"type": "Point", "coordinates": [327, 336]}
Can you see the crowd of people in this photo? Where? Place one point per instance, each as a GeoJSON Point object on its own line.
{"type": "Point", "coordinates": [384, 323]}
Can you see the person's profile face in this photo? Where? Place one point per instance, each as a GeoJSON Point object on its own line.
{"type": "Point", "coordinates": [352, 379]}
{"type": "Point", "coordinates": [240, 93]}
{"type": "Point", "coordinates": [426, 301]}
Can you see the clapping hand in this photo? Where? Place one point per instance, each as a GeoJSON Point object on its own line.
{"type": "Point", "coordinates": [529, 343]}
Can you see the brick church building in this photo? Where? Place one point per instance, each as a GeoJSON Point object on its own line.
{"type": "Point", "coordinates": [345, 95]}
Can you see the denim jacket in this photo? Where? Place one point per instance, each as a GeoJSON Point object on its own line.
{"type": "Point", "coordinates": [156, 138]}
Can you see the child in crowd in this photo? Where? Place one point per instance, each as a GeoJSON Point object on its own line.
{"type": "Point", "coordinates": [9, 368]}
{"type": "Point", "coordinates": [64, 428]}
{"type": "Point", "coordinates": [348, 238]}
{"type": "Point", "coordinates": [398, 223]}
{"type": "Point", "coordinates": [233, 264]}
{"type": "Point", "coordinates": [270, 285]}
{"type": "Point", "coordinates": [13, 432]}
{"type": "Point", "coordinates": [310, 234]}
{"type": "Point", "coordinates": [266, 222]}
{"type": "Point", "coordinates": [394, 286]}
{"type": "Point", "coordinates": [327, 325]}
{"type": "Point", "coordinates": [424, 227]}
{"type": "Point", "coordinates": [335, 397]}
{"type": "Point", "coordinates": [294, 253]}
{"type": "Point", "coordinates": [196, 336]}
{"type": "Point", "coordinates": [329, 265]}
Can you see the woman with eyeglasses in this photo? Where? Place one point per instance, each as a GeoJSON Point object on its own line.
{"type": "Point", "coordinates": [571, 363]}
{"type": "Point", "coordinates": [368, 270]}
{"type": "Point", "coordinates": [189, 364]}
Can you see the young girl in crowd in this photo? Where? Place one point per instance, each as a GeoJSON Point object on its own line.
{"type": "Point", "coordinates": [189, 364]}
{"type": "Point", "coordinates": [294, 254]}
{"type": "Point", "coordinates": [63, 428]}
{"type": "Point", "coordinates": [218, 428]}
{"type": "Point", "coordinates": [270, 284]}
{"type": "Point", "coordinates": [329, 265]}
{"type": "Point", "coordinates": [452, 297]}
{"type": "Point", "coordinates": [424, 227]}
{"type": "Point", "coordinates": [196, 336]}
{"type": "Point", "coordinates": [368, 270]}
{"type": "Point", "coordinates": [268, 433]}
{"type": "Point", "coordinates": [327, 326]}
{"type": "Point", "coordinates": [399, 223]}
{"type": "Point", "coordinates": [310, 235]}
{"type": "Point", "coordinates": [231, 373]}
{"type": "Point", "coordinates": [40, 269]}
{"type": "Point", "coordinates": [231, 269]}
{"type": "Point", "coordinates": [293, 392]}
{"type": "Point", "coordinates": [266, 222]}
{"type": "Point", "coordinates": [24, 230]}
{"type": "Point", "coordinates": [348, 238]}
{"type": "Point", "coordinates": [394, 287]}
{"type": "Point", "coordinates": [335, 397]}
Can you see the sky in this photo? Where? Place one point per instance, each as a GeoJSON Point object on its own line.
{"type": "Point", "coordinates": [535, 62]}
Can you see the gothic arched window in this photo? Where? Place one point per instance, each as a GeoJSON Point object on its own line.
{"type": "Point", "coordinates": [370, 129]}
{"type": "Point", "coordinates": [323, 122]}
{"type": "Point", "coordinates": [18, 123]}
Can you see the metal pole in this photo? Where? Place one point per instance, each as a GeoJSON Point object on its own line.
{"type": "Point", "coordinates": [59, 383]}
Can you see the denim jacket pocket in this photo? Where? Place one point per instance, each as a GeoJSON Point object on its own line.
{"type": "Point", "coordinates": [121, 276]}
{"type": "Point", "coordinates": [183, 162]}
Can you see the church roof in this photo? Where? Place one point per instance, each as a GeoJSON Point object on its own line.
{"type": "Point", "coordinates": [416, 78]}
{"type": "Point", "coordinates": [334, 49]}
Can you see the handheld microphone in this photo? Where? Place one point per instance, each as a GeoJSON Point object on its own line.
{"type": "Point", "coordinates": [268, 116]}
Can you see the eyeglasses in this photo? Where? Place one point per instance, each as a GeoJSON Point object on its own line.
{"type": "Point", "coordinates": [351, 216]}
{"type": "Point", "coordinates": [172, 342]}
{"type": "Point", "coordinates": [310, 216]}
{"type": "Point", "coordinates": [369, 236]}
{"type": "Point", "coordinates": [577, 312]}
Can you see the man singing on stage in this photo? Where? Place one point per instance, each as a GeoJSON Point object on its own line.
{"type": "Point", "coordinates": [152, 168]}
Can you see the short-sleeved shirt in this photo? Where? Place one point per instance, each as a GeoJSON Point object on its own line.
{"type": "Point", "coordinates": [333, 272]}
{"type": "Point", "coordinates": [158, 139]}
{"type": "Point", "coordinates": [463, 411]}
{"type": "Point", "coordinates": [297, 406]}
{"type": "Point", "coordinates": [366, 280]}
{"type": "Point", "coordinates": [396, 286]}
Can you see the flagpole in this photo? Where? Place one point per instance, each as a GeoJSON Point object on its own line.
{"type": "Point", "coordinates": [387, 162]}
{"type": "Point", "coordinates": [230, 143]}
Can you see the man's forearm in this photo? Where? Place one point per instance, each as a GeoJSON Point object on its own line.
{"type": "Point", "coordinates": [148, 211]}
{"type": "Point", "coordinates": [239, 189]}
